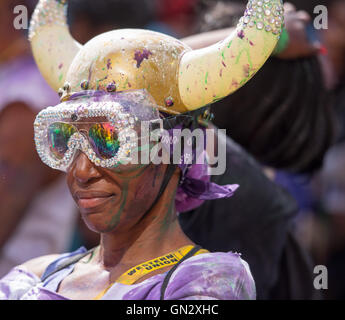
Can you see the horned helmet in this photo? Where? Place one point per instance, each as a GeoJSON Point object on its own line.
{"type": "Point", "coordinates": [178, 79]}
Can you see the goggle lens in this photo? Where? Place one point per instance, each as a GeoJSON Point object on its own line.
{"type": "Point", "coordinates": [58, 135]}
{"type": "Point", "coordinates": [104, 140]}
{"type": "Point", "coordinates": [102, 137]}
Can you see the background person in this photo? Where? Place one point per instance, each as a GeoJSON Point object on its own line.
{"type": "Point", "coordinates": [33, 221]}
{"type": "Point", "coordinates": [288, 129]}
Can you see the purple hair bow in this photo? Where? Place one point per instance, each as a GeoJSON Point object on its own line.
{"type": "Point", "coordinates": [196, 187]}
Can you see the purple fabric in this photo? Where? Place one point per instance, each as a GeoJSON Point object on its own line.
{"type": "Point", "coordinates": [207, 276]}
{"type": "Point", "coordinates": [196, 187]}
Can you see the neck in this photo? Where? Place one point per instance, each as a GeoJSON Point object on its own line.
{"type": "Point", "coordinates": [156, 234]}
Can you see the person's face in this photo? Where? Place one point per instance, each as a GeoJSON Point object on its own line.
{"type": "Point", "coordinates": [113, 199]}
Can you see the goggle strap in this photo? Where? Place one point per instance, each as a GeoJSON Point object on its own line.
{"type": "Point", "coordinates": [184, 119]}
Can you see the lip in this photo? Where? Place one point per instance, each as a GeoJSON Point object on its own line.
{"type": "Point", "coordinates": [92, 199]}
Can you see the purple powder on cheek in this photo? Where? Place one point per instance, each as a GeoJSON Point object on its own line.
{"type": "Point", "coordinates": [140, 56]}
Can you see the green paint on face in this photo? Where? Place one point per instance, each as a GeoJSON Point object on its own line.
{"type": "Point", "coordinates": [116, 218]}
{"type": "Point", "coordinates": [230, 43]}
{"type": "Point", "coordinates": [142, 168]}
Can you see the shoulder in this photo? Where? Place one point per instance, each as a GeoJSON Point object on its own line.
{"type": "Point", "coordinates": [49, 263]}
{"type": "Point", "coordinates": [22, 278]}
{"type": "Point", "coordinates": [221, 276]}
{"type": "Point", "coordinates": [38, 265]}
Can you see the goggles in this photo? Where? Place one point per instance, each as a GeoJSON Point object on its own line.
{"type": "Point", "coordinates": [105, 126]}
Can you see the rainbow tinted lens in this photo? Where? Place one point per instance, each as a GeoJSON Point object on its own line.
{"type": "Point", "coordinates": [104, 140]}
{"type": "Point", "coordinates": [58, 135]}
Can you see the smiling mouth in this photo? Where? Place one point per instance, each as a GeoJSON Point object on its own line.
{"type": "Point", "coordinates": [92, 200]}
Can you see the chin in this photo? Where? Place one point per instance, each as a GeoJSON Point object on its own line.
{"type": "Point", "coordinates": [99, 222]}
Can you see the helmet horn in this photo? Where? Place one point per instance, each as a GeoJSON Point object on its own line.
{"type": "Point", "coordinates": [209, 74]}
{"type": "Point", "coordinates": [52, 44]}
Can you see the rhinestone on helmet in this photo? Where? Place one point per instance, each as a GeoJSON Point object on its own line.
{"type": "Point", "coordinates": [263, 14]}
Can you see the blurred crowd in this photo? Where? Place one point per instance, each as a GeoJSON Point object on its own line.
{"type": "Point", "coordinates": [288, 123]}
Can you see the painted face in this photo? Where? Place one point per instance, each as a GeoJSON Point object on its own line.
{"type": "Point", "coordinates": [113, 199]}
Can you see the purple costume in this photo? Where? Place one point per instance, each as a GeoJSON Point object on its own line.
{"type": "Point", "coordinates": [207, 276]}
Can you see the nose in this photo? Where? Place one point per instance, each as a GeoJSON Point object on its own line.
{"type": "Point", "coordinates": [83, 170]}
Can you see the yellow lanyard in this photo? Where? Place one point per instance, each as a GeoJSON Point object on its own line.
{"type": "Point", "coordinates": [137, 272]}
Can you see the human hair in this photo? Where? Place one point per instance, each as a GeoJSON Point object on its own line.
{"type": "Point", "coordinates": [115, 13]}
{"type": "Point", "coordinates": [283, 115]}
{"type": "Point", "coordinates": [218, 14]}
